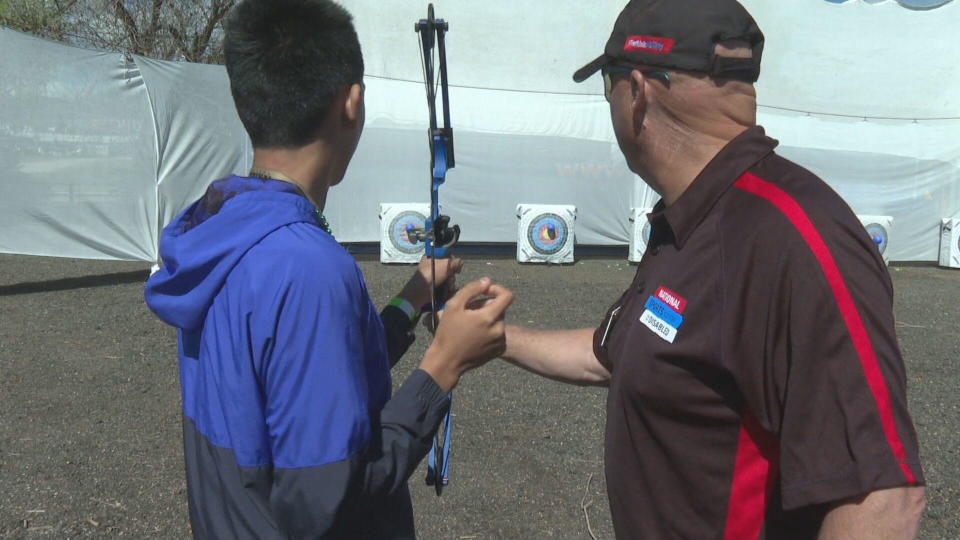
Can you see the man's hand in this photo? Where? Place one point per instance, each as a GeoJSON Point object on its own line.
{"type": "Point", "coordinates": [417, 290]}
{"type": "Point", "coordinates": [472, 332]}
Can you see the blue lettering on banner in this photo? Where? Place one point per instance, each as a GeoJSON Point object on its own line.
{"type": "Point", "coordinates": [662, 310]}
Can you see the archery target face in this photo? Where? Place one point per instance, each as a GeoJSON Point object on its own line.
{"type": "Point", "coordinates": [640, 230]}
{"type": "Point", "coordinates": [949, 256]}
{"type": "Point", "coordinates": [547, 234]}
{"type": "Point", "coordinates": [400, 226]}
{"type": "Point", "coordinates": [878, 233]}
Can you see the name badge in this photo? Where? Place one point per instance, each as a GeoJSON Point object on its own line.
{"type": "Point", "coordinates": [661, 310]}
{"type": "Point", "coordinates": [659, 326]}
{"type": "Point", "coordinates": [664, 313]}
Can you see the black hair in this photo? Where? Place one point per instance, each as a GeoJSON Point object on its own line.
{"type": "Point", "coordinates": [287, 60]}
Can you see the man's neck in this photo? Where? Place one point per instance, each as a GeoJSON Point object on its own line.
{"type": "Point", "coordinates": [677, 157]}
{"type": "Point", "coordinates": [309, 167]}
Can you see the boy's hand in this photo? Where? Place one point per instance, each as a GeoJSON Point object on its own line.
{"type": "Point", "coordinates": [471, 334]}
{"type": "Point", "coordinates": [417, 290]}
{"type": "Point", "coordinates": [427, 319]}
{"type": "Point", "coordinates": [446, 269]}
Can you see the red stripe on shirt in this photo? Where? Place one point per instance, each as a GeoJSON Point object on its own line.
{"type": "Point", "coordinates": [754, 471]}
{"type": "Point", "coordinates": [848, 310]}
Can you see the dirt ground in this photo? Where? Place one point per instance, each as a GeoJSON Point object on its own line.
{"type": "Point", "coordinates": [90, 425]}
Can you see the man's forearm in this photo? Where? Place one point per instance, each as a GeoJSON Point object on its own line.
{"type": "Point", "coordinates": [562, 355]}
{"type": "Point", "coordinates": [885, 514]}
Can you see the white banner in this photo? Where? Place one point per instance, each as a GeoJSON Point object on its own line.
{"type": "Point", "coordinates": [100, 151]}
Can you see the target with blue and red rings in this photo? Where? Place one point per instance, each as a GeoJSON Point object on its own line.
{"type": "Point", "coordinates": [879, 236]}
{"type": "Point", "coordinates": [400, 227]}
{"type": "Point", "coordinates": [548, 233]}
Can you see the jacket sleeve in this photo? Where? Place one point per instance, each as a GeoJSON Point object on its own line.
{"type": "Point", "coordinates": [330, 440]}
{"type": "Point", "coordinates": [399, 332]}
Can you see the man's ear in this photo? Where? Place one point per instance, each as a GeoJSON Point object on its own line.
{"type": "Point", "coordinates": [353, 104]}
{"type": "Point", "coordinates": [638, 89]}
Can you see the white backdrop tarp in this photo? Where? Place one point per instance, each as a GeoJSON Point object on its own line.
{"type": "Point", "coordinates": [77, 151]}
{"type": "Point", "coordinates": [99, 151]}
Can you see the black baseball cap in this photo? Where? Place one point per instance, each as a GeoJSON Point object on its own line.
{"type": "Point", "coordinates": [682, 34]}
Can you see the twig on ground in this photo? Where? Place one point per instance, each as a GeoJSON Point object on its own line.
{"type": "Point", "coordinates": [905, 325]}
{"type": "Point", "coordinates": [585, 505]}
{"type": "Point", "coordinates": [116, 504]}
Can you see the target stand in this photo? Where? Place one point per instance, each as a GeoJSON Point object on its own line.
{"type": "Point", "coordinates": [396, 221]}
{"type": "Point", "coordinates": [640, 233]}
{"type": "Point", "coordinates": [878, 228]}
{"type": "Point", "coordinates": [545, 233]}
{"type": "Point", "coordinates": [950, 243]}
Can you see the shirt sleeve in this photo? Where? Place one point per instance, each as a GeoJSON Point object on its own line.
{"type": "Point", "coordinates": [602, 334]}
{"type": "Point", "coordinates": [831, 385]}
{"type": "Point", "coordinates": [330, 441]}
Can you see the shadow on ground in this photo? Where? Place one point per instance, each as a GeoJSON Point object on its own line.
{"type": "Point", "coordinates": [83, 282]}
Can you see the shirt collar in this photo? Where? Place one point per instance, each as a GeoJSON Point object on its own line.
{"type": "Point", "coordinates": [734, 159]}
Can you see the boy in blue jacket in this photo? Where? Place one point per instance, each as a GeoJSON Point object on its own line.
{"type": "Point", "coordinates": [289, 427]}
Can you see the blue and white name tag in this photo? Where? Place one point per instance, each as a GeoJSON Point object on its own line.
{"type": "Point", "coordinates": [662, 310]}
{"type": "Point", "coordinates": [661, 318]}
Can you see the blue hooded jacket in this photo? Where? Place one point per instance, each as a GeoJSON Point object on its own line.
{"type": "Point", "coordinates": [289, 427]}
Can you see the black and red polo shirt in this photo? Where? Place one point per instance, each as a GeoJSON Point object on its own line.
{"type": "Point", "coordinates": [755, 371]}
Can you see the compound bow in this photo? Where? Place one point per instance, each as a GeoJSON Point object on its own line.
{"type": "Point", "coordinates": [437, 234]}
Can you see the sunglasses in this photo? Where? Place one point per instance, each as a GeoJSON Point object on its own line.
{"type": "Point", "coordinates": [610, 71]}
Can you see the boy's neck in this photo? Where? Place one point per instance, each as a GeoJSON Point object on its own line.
{"type": "Point", "coordinates": [310, 167]}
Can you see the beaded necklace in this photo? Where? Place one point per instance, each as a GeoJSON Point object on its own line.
{"type": "Point", "coordinates": [270, 174]}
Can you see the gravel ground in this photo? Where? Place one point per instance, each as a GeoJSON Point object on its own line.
{"type": "Point", "coordinates": [90, 426]}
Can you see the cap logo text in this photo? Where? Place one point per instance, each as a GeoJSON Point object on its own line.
{"type": "Point", "coordinates": [650, 44]}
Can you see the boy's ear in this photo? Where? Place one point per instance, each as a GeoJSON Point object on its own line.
{"type": "Point", "coordinates": [353, 104]}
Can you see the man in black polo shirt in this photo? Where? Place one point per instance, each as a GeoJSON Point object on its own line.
{"type": "Point", "coordinates": [756, 389]}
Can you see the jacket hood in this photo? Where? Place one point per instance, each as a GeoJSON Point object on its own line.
{"type": "Point", "coordinates": [203, 244]}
